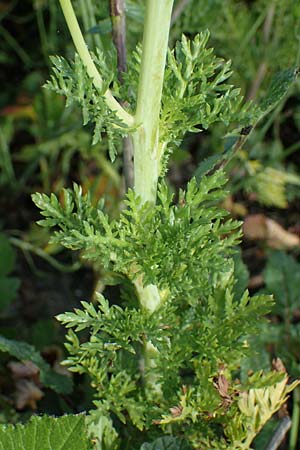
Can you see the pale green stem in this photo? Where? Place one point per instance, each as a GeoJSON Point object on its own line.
{"type": "Point", "coordinates": [147, 152]}
{"type": "Point", "coordinates": [87, 60]}
{"type": "Point", "coordinates": [146, 138]}
{"type": "Point", "coordinates": [149, 295]}
{"type": "Point", "coordinates": [28, 247]}
{"type": "Point", "coordinates": [147, 148]}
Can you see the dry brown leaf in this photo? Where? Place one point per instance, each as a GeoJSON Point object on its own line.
{"type": "Point", "coordinates": [256, 281]}
{"type": "Point", "coordinates": [260, 227]}
{"type": "Point", "coordinates": [27, 384]}
{"type": "Point", "coordinates": [278, 365]}
{"type": "Point", "coordinates": [176, 411]}
{"type": "Point", "coordinates": [27, 394]}
{"type": "Point", "coordinates": [222, 385]}
{"type": "Point", "coordinates": [25, 369]}
{"type": "Point", "coordinates": [235, 208]}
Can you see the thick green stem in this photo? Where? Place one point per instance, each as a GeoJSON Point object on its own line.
{"type": "Point", "coordinates": [146, 143]}
{"type": "Point", "coordinates": [87, 60]}
{"type": "Point", "coordinates": [147, 149]}
{"type": "Point", "coordinates": [149, 295]}
{"type": "Point", "coordinates": [146, 138]}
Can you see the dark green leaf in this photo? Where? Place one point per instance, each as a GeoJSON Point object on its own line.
{"type": "Point", "coordinates": [241, 275]}
{"type": "Point", "coordinates": [7, 255]}
{"type": "Point", "coordinates": [214, 161]}
{"type": "Point", "coordinates": [282, 278]}
{"type": "Point", "coordinates": [8, 290]}
{"type": "Point", "coordinates": [103, 27]}
{"type": "Point", "coordinates": [207, 165]}
{"type": "Point", "coordinates": [46, 433]}
{"type": "Point", "coordinates": [265, 436]}
{"type": "Point", "coordinates": [167, 443]}
{"type": "Point", "coordinates": [279, 86]}
{"type": "Point", "coordinates": [23, 351]}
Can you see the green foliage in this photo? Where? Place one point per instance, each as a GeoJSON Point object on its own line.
{"type": "Point", "coordinates": [25, 352]}
{"type": "Point", "coordinates": [166, 443]}
{"type": "Point", "coordinates": [282, 277]}
{"type": "Point", "coordinates": [196, 282]}
{"type": "Point", "coordinates": [100, 426]}
{"type": "Point", "coordinates": [254, 36]}
{"type": "Point", "coordinates": [253, 409]}
{"type": "Point", "coordinates": [278, 88]}
{"type": "Point", "coordinates": [7, 175]}
{"type": "Point", "coordinates": [46, 433]}
{"type": "Point", "coordinates": [248, 34]}
{"type": "Point", "coordinates": [127, 247]}
{"type": "Point", "coordinates": [256, 407]}
{"type": "Point", "coordinates": [196, 93]}
{"type": "Point", "coordinates": [169, 371]}
{"type": "Point", "coordinates": [71, 80]}
{"type": "Point", "coordinates": [8, 285]}
{"type": "Point", "coordinates": [114, 354]}
{"type": "Point", "coordinates": [241, 274]}
{"type": "Point", "coordinates": [269, 183]}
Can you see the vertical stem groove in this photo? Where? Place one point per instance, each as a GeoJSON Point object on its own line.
{"type": "Point", "coordinates": [146, 138]}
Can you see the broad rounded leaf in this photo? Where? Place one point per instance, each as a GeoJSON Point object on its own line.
{"type": "Point", "coordinates": [46, 433]}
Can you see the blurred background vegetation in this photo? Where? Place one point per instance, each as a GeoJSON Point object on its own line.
{"type": "Point", "coordinates": [43, 147]}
